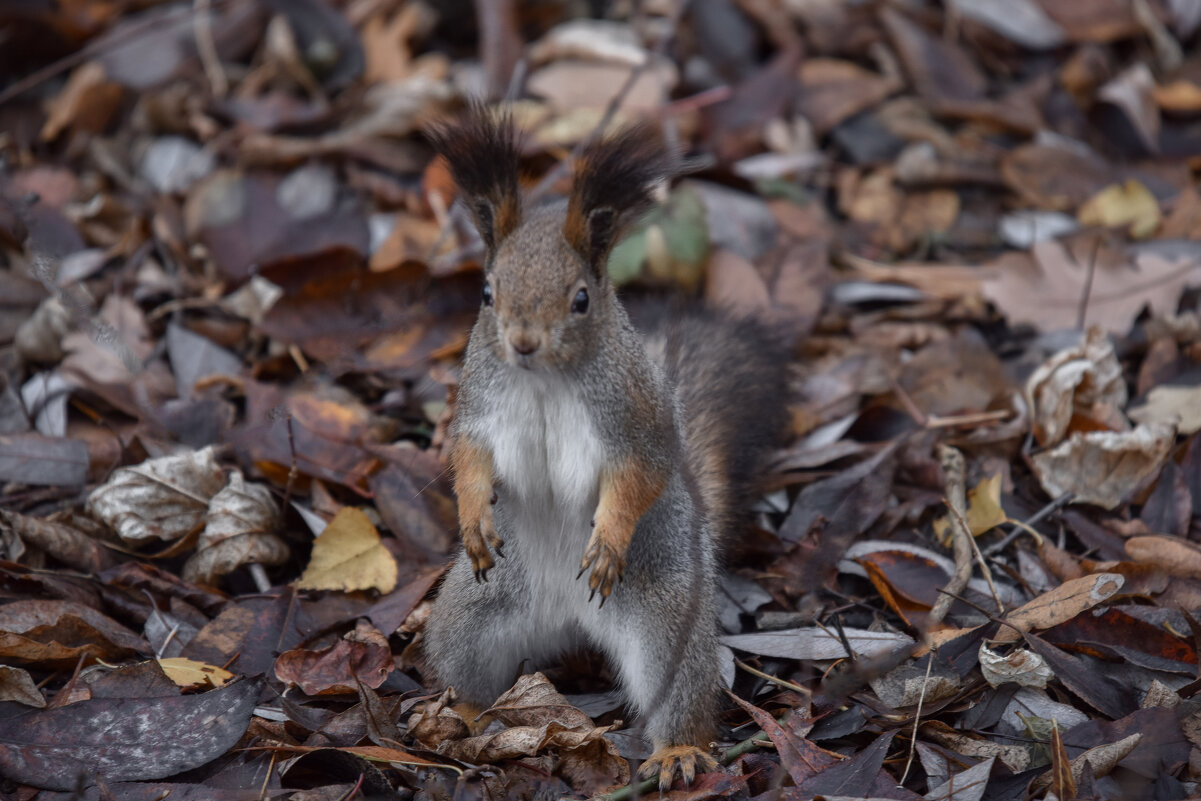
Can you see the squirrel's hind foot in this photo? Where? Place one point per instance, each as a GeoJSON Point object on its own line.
{"type": "Point", "coordinates": [685, 758]}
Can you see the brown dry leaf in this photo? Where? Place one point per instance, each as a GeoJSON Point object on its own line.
{"type": "Point", "coordinates": [349, 556]}
{"type": "Point", "coordinates": [539, 718]}
{"type": "Point", "coordinates": [569, 84]}
{"type": "Point", "coordinates": [1133, 93]}
{"type": "Point", "coordinates": [1020, 666]}
{"type": "Point", "coordinates": [1020, 21]}
{"type": "Point", "coordinates": [984, 511]}
{"type": "Point", "coordinates": [1074, 382]}
{"type": "Point", "coordinates": [1054, 177]}
{"type": "Point", "coordinates": [1044, 289]}
{"type": "Point", "coordinates": [833, 90]}
{"type": "Point", "coordinates": [192, 675]}
{"type": "Point", "coordinates": [164, 499]}
{"type": "Point", "coordinates": [1172, 555]}
{"type": "Point", "coordinates": [239, 530]}
{"type": "Point", "coordinates": [1180, 96]}
{"type": "Point", "coordinates": [86, 103]}
{"type": "Point", "coordinates": [362, 656]}
{"type": "Point", "coordinates": [58, 633]}
{"type": "Point", "coordinates": [1060, 604]}
{"type": "Point", "coordinates": [1171, 404]}
{"type": "Point", "coordinates": [1104, 468]}
{"type": "Point", "coordinates": [733, 283]}
{"type": "Point", "coordinates": [940, 69]}
{"type": "Point", "coordinates": [1129, 204]}
{"type": "Point", "coordinates": [17, 685]}
{"type": "Point", "coordinates": [1094, 21]}
{"type": "Point", "coordinates": [437, 722]}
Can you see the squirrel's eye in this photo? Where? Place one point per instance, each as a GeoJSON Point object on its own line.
{"type": "Point", "coordinates": [580, 304]}
{"type": "Point", "coordinates": [487, 294]}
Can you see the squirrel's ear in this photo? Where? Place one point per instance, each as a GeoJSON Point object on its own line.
{"type": "Point", "coordinates": [481, 152]}
{"type": "Point", "coordinates": [612, 185]}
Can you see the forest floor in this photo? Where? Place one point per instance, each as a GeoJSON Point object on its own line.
{"type": "Point", "coordinates": [235, 288]}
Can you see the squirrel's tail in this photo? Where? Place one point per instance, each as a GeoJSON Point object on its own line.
{"type": "Point", "coordinates": [731, 375]}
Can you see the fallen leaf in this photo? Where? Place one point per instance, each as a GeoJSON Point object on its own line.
{"type": "Point", "coordinates": [1129, 204]}
{"type": "Point", "coordinates": [37, 460]}
{"type": "Point", "coordinates": [1073, 383]}
{"type": "Point", "coordinates": [160, 499]}
{"type": "Point", "coordinates": [1060, 604]}
{"type": "Point", "coordinates": [239, 529]}
{"type": "Point", "coordinates": [362, 655]}
{"type": "Point", "coordinates": [1173, 555]}
{"type": "Point", "coordinates": [833, 90]}
{"type": "Point", "coordinates": [817, 643]}
{"type": "Point", "coordinates": [1104, 468]}
{"type": "Point", "coordinates": [984, 510]}
{"type": "Point", "coordinates": [192, 675]}
{"type": "Point", "coordinates": [1019, 666]}
{"type": "Point", "coordinates": [1171, 404]}
{"type": "Point", "coordinates": [17, 685]}
{"type": "Point", "coordinates": [86, 103]}
{"type": "Point", "coordinates": [349, 556]}
{"type": "Point", "coordinates": [125, 739]}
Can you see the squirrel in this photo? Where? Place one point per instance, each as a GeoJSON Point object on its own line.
{"type": "Point", "coordinates": [580, 446]}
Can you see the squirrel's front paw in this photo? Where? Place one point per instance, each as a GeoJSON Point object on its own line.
{"type": "Point", "coordinates": [476, 539]}
{"type": "Point", "coordinates": [666, 761]}
{"type": "Point", "coordinates": [607, 563]}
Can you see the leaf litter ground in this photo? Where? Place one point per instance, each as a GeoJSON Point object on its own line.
{"type": "Point", "coordinates": [234, 290]}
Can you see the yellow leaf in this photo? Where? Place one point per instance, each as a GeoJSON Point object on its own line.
{"type": "Point", "coordinates": [984, 510]}
{"type": "Point", "coordinates": [349, 556]}
{"type": "Point", "coordinates": [1130, 204]}
{"type": "Point", "coordinates": [189, 673]}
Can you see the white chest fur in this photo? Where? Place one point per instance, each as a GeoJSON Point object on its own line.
{"type": "Point", "coordinates": [546, 455]}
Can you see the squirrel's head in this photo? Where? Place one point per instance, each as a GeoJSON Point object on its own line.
{"type": "Point", "coordinates": [546, 295]}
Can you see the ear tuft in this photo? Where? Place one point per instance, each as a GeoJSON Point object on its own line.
{"type": "Point", "coordinates": [612, 185]}
{"type": "Point", "coordinates": [482, 153]}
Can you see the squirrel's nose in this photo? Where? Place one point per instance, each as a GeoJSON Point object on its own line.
{"type": "Point", "coordinates": [523, 343]}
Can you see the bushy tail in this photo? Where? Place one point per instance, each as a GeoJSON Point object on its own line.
{"type": "Point", "coordinates": [731, 378]}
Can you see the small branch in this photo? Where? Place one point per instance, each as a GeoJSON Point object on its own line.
{"type": "Point", "coordinates": [956, 500]}
{"type": "Point", "coordinates": [206, 48]}
{"type": "Point", "coordinates": [1027, 525]}
{"type": "Point", "coordinates": [788, 685]}
{"type": "Point", "coordinates": [917, 716]}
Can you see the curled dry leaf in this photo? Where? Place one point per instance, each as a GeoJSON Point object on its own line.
{"type": "Point", "coordinates": [539, 717]}
{"type": "Point", "coordinates": [1020, 666]}
{"type": "Point", "coordinates": [59, 632]}
{"type": "Point", "coordinates": [164, 499]}
{"type": "Point", "coordinates": [349, 555]}
{"type": "Point", "coordinates": [1104, 468]}
{"type": "Point", "coordinates": [240, 529]}
{"type": "Point", "coordinates": [1074, 382]}
{"type": "Point", "coordinates": [362, 656]}
{"type": "Point", "coordinates": [437, 722]}
{"type": "Point", "coordinates": [17, 685]}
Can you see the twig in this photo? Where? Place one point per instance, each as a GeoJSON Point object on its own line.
{"type": "Point", "coordinates": [1082, 311]}
{"type": "Point", "coordinates": [917, 716]}
{"type": "Point", "coordinates": [980, 561]}
{"type": "Point", "coordinates": [1026, 525]}
{"type": "Point", "coordinates": [788, 685]}
{"type": "Point", "coordinates": [151, 23]}
{"type": "Point", "coordinates": [956, 500]}
{"type": "Point", "coordinates": [260, 577]}
{"type": "Point", "coordinates": [206, 48]}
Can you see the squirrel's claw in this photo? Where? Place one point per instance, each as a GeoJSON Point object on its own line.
{"type": "Point", "coordinates": [607, 567]}
{"type": "Point", "coordinates": [685, 758]}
